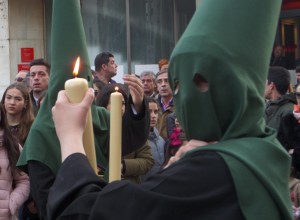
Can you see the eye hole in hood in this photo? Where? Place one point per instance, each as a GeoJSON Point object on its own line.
{"type": "Point", "coordinates": [201, 83]}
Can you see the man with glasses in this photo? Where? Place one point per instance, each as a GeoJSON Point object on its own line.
{"type": "Point", "coordinates": [23, 76]}
{"type": "Point", "coordinates": [280, 103]}
{"type": "Point", "coordinates": [39, 79]}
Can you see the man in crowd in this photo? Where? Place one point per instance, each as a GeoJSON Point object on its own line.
{"type": "Point", "coordinates": [39, 79]}
{"type": "Point", "coordinates": [148, 80]}
{"type": "Point", "coordinates": [105, 67]}
{"type": "Point", "coordinates": [21, 76]}
{"type": "Point", "coordinates": [165, 100]}
{"type": "Point", "coordinates": [279, 102]}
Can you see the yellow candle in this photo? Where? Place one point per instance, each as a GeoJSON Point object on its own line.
{"type": "Point", "coordinates": [75, 91]}
{"type": "Point", "coordinates": [115, 140]}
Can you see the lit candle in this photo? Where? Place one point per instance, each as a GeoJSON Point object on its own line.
{"type": "Point", "coordinates": [115, 140]}
{"type": "Point", "coordinates": [75, 91]}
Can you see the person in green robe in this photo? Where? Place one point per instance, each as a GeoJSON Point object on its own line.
{"type": "Point", "coordinates": [41, 156]}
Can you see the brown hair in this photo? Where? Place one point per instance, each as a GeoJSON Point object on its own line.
{"type": "Point", "coordinates": [9, 142]}
{"type": "Point", "coordinates": [162, 62]}
{"type": "Point", "coordinates": [27, 116]}
{"type": "Point", "coordinates": [104, 96]}
{"type": "Point", "coordinates": [41, 62]}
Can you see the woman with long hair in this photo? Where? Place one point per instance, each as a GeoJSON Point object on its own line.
{"type": "Point", "coordinates": [19, 111]}
{"type": "Point", "coordinates": [14, 183]}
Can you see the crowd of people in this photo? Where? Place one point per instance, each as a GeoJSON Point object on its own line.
{"type": "Point", "coordinates": [22, 100]}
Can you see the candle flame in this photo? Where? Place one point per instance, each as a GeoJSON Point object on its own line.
{"type": "Point", "coordinates": [116, 89]}
{"type": "Point", "coordinates": [76, 68]}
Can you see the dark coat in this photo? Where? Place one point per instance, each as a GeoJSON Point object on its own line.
{"type": "Point", "coordinates": [279, 108]}
{"type": "Point", "coordinates": [289, 136]}
{"type": "Point", "coordinates": [174, 193]}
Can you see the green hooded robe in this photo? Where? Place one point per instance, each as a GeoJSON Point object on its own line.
{"type": "Point", "coordinates": [217, 73]}
{"type": "Point", "coordinates": [67, 43]}
{"type": "Point", "coordinates": [42, 143]}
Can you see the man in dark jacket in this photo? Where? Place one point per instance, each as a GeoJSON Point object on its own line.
{"type": "Point", "coordinates": [280, 102]}
{"type": "Point", "coordinates": [39, 80]}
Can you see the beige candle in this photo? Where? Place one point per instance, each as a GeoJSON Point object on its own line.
{"type": "Point", "coordinates": [115, 140]}
{"type": "Point", "coordinates": [75, 90]}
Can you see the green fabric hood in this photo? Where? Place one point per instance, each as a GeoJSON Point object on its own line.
{"type": "Point", "coordinates": [227, 46]}
{"type": "Point", "coordinates": [68, 42]}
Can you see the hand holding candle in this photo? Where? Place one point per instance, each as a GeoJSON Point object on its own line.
{"type": "Point", "coordinates": [75, 91]}
{"type": "Point", "coordinates": [74, 122]}
{"type": "Point", "coordinates": [115, 136]}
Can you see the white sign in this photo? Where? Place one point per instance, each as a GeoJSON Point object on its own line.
{"type": "Point", "coordinates": [146, 67]}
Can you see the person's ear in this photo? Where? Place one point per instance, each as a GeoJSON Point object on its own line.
{"type": "Point", "coordinates": [104, 66]}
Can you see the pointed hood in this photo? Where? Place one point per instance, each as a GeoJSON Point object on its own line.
{"type": "Point", "coordinates": [68, 42]}
{"type": "Point", "coordinates": [229, 45]}
{"type": "Point", "coordinates": [218, 72]}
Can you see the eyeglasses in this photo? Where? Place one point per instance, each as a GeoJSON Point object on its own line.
{"type": "Point", "coordinates": [297, 94]}
{"type": "Point", "coordinates": [19, 79]}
